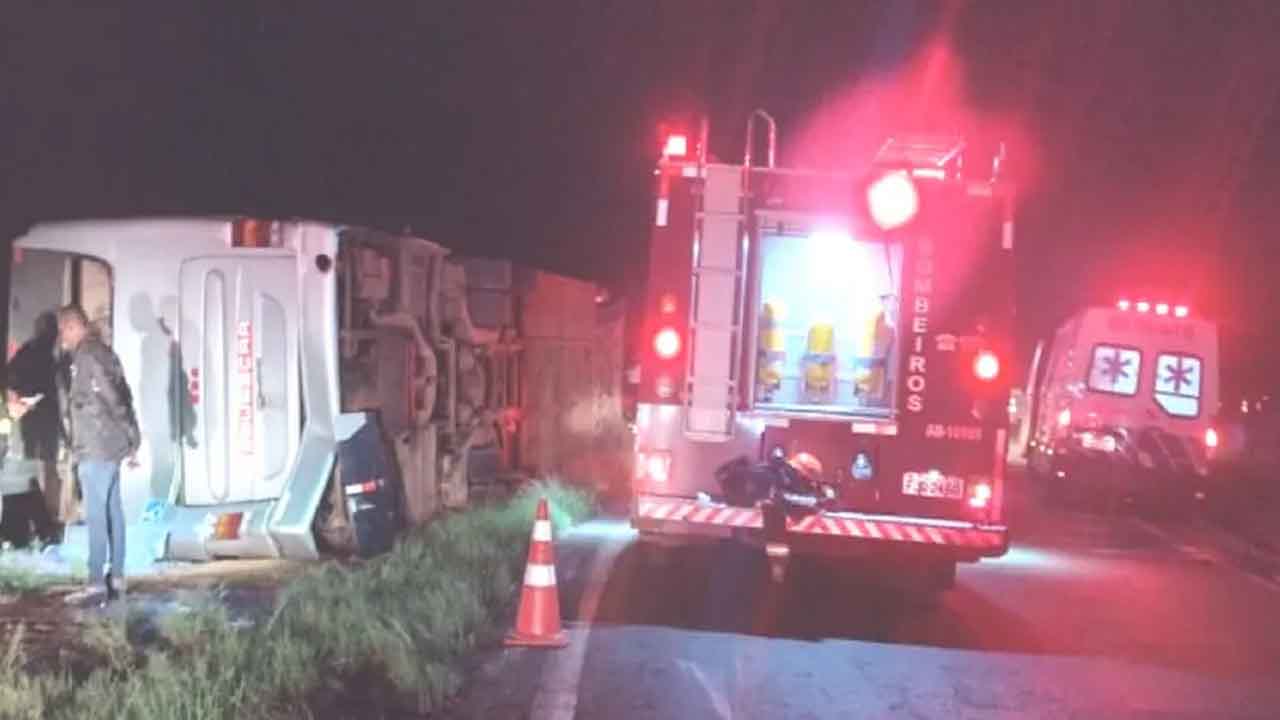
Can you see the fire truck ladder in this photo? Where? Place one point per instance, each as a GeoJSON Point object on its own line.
{"type": "Point", "coordinates": [719, 295]}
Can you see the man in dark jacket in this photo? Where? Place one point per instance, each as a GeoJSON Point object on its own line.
{"type": "Point", "coordinates": [104, 432]}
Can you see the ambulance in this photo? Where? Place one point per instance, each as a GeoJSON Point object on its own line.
{"type": "Point", "coordinates": [1124, 405]}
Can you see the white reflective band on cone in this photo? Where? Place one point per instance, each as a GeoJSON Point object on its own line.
{"type": "Point", "coordinates": [540, 576]}
{"type": "Point", "coordinates": [542, 531]}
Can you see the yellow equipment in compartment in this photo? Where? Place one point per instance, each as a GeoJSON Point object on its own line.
{"type": "Point", "coordinates": [873, 351]}
{"type": "Point", "coordinates": [820, 363]}
{"type": "Point", "coordinates": [773, 351]}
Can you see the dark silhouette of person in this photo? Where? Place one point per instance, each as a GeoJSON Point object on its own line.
{"type": "Point", "coordinates": [32, 372]}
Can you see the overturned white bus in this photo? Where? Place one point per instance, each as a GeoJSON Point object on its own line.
{"type": "Point", "coordinates": [301, 386]}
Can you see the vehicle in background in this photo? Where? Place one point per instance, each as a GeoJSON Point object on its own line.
{"type": "Point", "coordinates": [847, 333]}
{"type": "Point", "coordinates": [1124, 405]}
{"type": "Point", "coordinates": [305, 387]}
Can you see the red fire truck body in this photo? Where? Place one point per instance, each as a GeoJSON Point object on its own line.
{"type": "Point", "coordinates": [860, 321]}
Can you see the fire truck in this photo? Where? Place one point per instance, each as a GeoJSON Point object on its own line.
{"type": "Point", "coordinates": [309, 387]}
{"type": "Point", "coordinates": [1123, 405]}
{"type": "Point", "coordinates": [855, 326]}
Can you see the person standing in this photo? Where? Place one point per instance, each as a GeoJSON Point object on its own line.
{"type": "Point", "coordinates": [32, 404]}
{"type": "Point", "coordinates": [104, 432]}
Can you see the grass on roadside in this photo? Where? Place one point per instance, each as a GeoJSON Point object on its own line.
{"type": "Point", "coordinates": [26, 571]}
{"type": "Point", "coordinates": [366, 636]}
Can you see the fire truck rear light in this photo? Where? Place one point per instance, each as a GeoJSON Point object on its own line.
{"type": "Point", "coordinates": [1211, 438]}
{"type": "Point", "coordinates": [667, 304]}
{"type": "Point", "coordinates": [677, 146]}
{"type": "Point", "coordinates": [665, 387]}
{"type": "Point", "coordinates": [892, 200]}
{"type": "Point", "coordinates": [1162, 309]}
{"type": "Point", "coordinates": [666, 343]}
{"type": "Point", "coordinates": [1124, 304]}
{"type": "Point", "coordinates": [1144, 306]}
{"type": "Point", "coordinates": [979, 495]}
{"type": "Point", "coordinates": [1181, 311]}
{"type": "Point", "coordinates": [653, 466]}
{"type": "Point", "coordinates": [986, 366]}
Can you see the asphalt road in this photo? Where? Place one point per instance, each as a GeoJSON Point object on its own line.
{"type": "Point", "coordinates": [1086, 617]}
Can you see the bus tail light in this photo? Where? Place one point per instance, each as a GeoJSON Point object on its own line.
{"type": "Point", "coordinates": [252, 233]}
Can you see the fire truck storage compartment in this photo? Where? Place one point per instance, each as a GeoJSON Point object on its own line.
{"type": "Point", "coordinates": [826, 338]}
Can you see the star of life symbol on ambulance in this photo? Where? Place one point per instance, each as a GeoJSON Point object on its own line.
{"type": "Point", "coordinates": [1115, 370]}
{"type": "Point", "coordinates": [1178, 384]}
{"type": "Point", "coordinates": [244, 387]}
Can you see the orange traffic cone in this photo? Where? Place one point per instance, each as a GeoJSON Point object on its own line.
{"type": "Point", "coordinates": [538, 622]}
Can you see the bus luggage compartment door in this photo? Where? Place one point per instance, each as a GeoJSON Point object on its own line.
{"type": "Point", "coordinates": [239, 355]}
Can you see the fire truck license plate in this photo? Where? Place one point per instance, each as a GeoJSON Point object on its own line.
{"type": "Point", "coordinates": [932, 485]}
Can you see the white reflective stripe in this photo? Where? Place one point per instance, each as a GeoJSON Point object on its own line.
{"type": "Point", "coordinates": [542, 531]}
{"type": "Point", "coordinates": [661, 216]}
{"type": "Point", "coordinates": [540, 576]}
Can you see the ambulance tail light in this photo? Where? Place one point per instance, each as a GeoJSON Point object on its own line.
{"type": "Point", "coordinates": [986, 366]}
{"type": "Point", "coordinates": [1211, 438]}
{"type": "Point", "coordinates": [666, 343]}
{"type": "Point", "coordinates": [653, 467]}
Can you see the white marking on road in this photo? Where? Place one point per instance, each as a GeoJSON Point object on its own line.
{"type": "Point", "coordinates": [557, 697]}
{"type": "Point", "coordinates": [1206, 556]}
{"type": "Point", "coordinates": [718, 700]}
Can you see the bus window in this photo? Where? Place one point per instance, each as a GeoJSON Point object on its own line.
{"type": "Point", "coordinates": [1115, 369]}
{"type": "Point", "coordinates": [1177, 384]}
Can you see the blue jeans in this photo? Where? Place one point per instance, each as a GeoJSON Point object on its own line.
{"type": "Point", "coordinates": [104, 514]}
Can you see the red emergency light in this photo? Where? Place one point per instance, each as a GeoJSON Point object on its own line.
{"type": "Point", "coordinates": [892, 200]}
{"type": "Point", "coordinates": [986, 366]}
{"type": "Point", "coordinates": [677, 145]}
{"type": "Point", "coordinates": [1161, 308]}
{"type": "Point", "coordinates": [666, 343]}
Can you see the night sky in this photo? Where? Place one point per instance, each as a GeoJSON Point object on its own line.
{"type": "Point", "coordinates": [1147, 134]}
